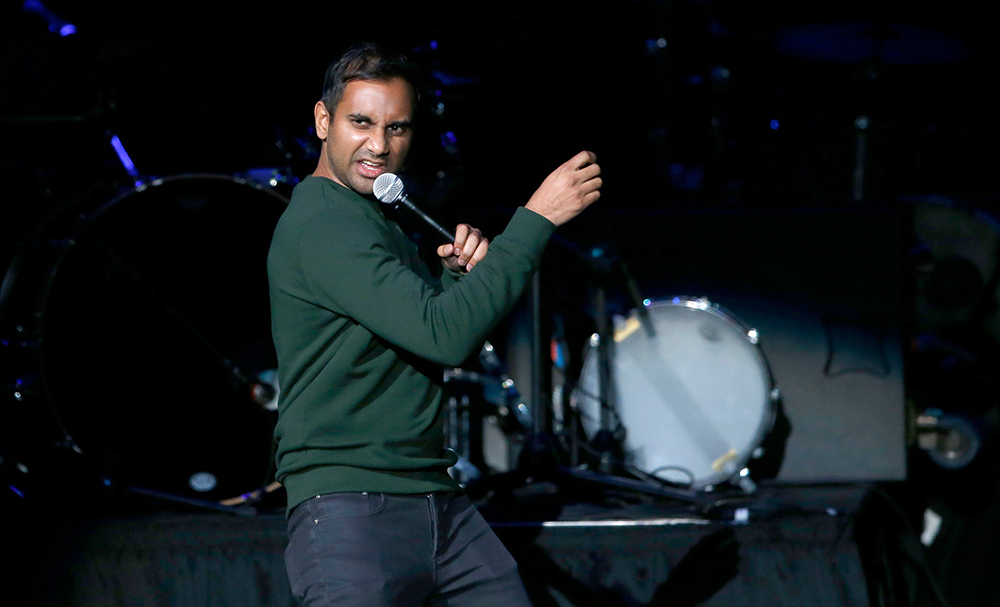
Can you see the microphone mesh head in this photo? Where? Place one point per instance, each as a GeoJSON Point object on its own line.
{"type": "Point", "coordinates": [388, 188]}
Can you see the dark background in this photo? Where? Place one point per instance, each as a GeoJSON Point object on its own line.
{"type": "Point", "coordinates": [195, 87]}
{"type": "Point", "coordinates": [726, 132]}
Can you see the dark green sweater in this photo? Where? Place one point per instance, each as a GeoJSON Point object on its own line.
{"type": "Point", "coordinates": [362, 328]}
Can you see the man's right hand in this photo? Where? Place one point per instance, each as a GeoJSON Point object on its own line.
{"type": "Point", "coordinates": [568, 190]}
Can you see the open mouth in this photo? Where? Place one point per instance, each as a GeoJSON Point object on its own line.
{"type": "Point", "coordinates": [370, 169]}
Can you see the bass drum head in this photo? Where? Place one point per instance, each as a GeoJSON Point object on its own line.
{"type": "Point", "coordinates": [694, 400]}
{"type": "Point", "coordinates": [151, 326]}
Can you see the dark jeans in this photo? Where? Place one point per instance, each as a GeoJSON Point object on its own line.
{"type": "Point", "coordinates": [385, 549]}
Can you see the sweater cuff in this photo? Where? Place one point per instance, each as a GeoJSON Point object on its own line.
{"type": "Point", "coordinates": [529, 231]}
{"type": "Point", "coordinates": [449, 276]}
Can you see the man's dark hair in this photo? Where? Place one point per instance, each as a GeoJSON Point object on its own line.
{"type": "Point", "coordinates": [367, 61]}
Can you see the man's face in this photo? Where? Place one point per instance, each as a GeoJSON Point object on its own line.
{"type": "Point", "coordinates": [368, 134]}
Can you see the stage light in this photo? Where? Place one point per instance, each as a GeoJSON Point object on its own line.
{"type": "Point", "coordinates": [56, 24]}
{"type": "Point", "coordinates": [123, 156]}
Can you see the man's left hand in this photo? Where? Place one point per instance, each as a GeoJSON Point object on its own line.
{"type": "Point", "coordinates": [468, 249]}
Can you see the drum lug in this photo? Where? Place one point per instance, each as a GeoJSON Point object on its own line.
{"type": "Point", "coordinates": [745, 482]}
{"type": "Point", "coordinates": [775, 394]}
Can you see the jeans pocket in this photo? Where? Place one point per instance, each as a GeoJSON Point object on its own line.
{"type": "Point", "coordinates": [345, 505]}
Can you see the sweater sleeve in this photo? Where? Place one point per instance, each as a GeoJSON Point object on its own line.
{"type": "Point", "coordinates": [351, 268]}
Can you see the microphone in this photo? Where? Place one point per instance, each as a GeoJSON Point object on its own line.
{"type": "Point", "coordinates": [389, 189]}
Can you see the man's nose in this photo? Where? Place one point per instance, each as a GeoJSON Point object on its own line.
{"type": "Point", "coordinates": [377, 143]}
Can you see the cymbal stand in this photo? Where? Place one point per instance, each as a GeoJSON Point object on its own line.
{"type": "Point", "coordinates": [542, 453]}
{"type": "Point", "coordinates": [603, 263]}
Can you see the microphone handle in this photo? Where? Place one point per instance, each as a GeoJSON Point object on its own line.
{"type": "Point", "coordinates": [449, 237]}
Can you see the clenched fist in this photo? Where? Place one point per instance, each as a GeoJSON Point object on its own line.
{"type": "Point", "coordinates": [568, 190]}
{"type": "Point", "coordinates": [468, 249]}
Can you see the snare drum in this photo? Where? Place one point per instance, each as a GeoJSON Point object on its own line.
{"type": "Point", "coordinates": [695, 399]}
{"type": "Point", "coordinates": [136, 330]}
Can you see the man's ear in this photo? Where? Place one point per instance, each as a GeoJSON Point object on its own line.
{"type": "Point", "coordinates": [322, 116]}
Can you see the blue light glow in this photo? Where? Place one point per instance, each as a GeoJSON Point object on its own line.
{"type": "Point", "coordinates": [720, 73]}
{"type": "Point", "coordinates": [451, 137]}
{"type": "Point", "coordinates": [646, 302]}
{"type": "Point", "coordinates": [434, 44]}
{"type": "Point", "coordinates": [451, 80]}
{"type": "Point", "coordinates": [123, 156]}
{"type": "Point", "coordinates": [596, 252]}
{"type": "Point", "coordinates": [56, 24]}
{"type": "Point", "coordinates": [16, 490]}
{"type": "Point", "coordinates": [774, 125]}
{"type": "Point", "coordinates": [654, 45]}
{"type": "Point", "coordinates": [676, 300]}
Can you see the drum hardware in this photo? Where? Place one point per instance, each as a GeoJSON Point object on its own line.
{"type": "Point", "coordinates": [267, 178]}
{"type": "Point", "coordinates": [951, 441]}
{"type": "Point", "coordinates": [606, 429]}
{"type": "Point", "coordinates": [615, 463]}
{"type": "Point", "coordinates": [697, 363]}
{"type": "Point", "coordinates": [230, 507]}
{"type": "Point", "coordinates": [953, 414]}
{"type": "Point", "coordinates": [254, 497]}
{"type": "Point", "coordinates": [955, 274]}
{"type": "Point", "coordinates": [112, 296]}
{"type": "Point", "coordinates": [695, 402]}
{"type": "Point", "coordinates": [484, 416]}
{"type": "Point", "coordinates": [265, 390]}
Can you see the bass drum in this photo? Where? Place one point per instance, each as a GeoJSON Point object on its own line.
{"type": "Point", "coordinates": [142, 335]}
{"type": "Point", "coordinates": [695, 400]}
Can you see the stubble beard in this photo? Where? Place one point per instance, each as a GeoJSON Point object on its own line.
{"type": "Point", "coordinates": [348, 177]}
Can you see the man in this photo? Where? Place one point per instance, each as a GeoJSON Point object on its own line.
{"type": "Point", "coordinates": [362, 328]}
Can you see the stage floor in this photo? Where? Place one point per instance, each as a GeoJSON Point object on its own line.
{"type": "Point", "coordinates": [782, 546]}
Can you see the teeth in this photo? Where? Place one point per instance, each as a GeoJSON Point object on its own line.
{"type": "Point", "coordinates": [371, 164]}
